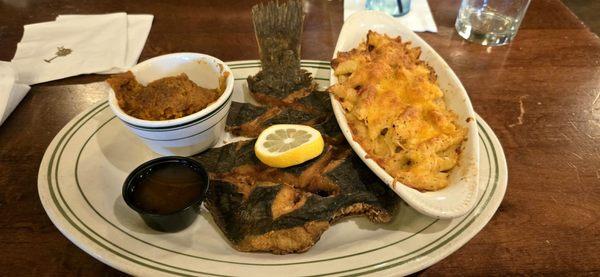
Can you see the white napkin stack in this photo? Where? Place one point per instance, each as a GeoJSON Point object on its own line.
{"type": "Point", "coordinates": [80, 44]}
{"type": "Point", "coordinates": [11, 91]}
{"type": "Point", "coordinates": [418, 19]}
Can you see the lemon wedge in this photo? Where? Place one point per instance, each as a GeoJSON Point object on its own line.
{"type": "Point", "coordinates": [284, 145]}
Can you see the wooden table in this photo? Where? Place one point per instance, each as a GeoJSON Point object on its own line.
{"type": "Point", "coordinates": [540, 94]}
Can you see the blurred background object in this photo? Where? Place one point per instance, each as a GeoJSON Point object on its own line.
{"type": "Point", "coordinates": [414, 14]}
{"type": "Point", "coordinates": [392, 7]}
{"type": "Point", "coordinates": [490, 22]}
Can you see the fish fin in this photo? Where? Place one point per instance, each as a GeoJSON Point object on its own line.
{"type": "Point", "coordinates": [278, 29]}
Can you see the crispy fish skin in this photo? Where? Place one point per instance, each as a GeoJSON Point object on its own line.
{"type": "Point", "coordinates": [243, 197]}
{"type": "Point", "coordinates": [250, 122]}
{"type": "Point", "coordinates": [312, 109]}
{"type": "Point", "coordinates": [272, 210]}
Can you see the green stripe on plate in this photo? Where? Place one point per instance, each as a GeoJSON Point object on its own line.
{"type": "Point", "coordinates": [141, 240]}
{"type": "Point", "coordinates": [176, 252]}
{"type": "Point", "coordinates": [379, 266]}
{"type": "Point", "coordinates": [387, 264]}
{"type": "Point", "coordinates": [314, 78]}
{"type": "Point", "coordinates": [302, 66]}
{"type": "Point", "coordinates": [200, 257]}
{"type": "Point", "coordinates": [70, 220]}
{"type": "Point", "coordinates": [214, 259]}
{"type": "Point", "coordinates": [257, 62]}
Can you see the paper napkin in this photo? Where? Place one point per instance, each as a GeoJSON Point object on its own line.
{"type": "Point", "coordinates": [60, 49]}
{"type": "Point", "coordinates": [418, 19]}
{"type": "Point", "coordinates": [11, 92]}
{"type": "Point", "coordinates": [138, 28]}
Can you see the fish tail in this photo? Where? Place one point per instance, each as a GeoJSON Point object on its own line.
{"type": "Point", "coordinates": [278, 29]}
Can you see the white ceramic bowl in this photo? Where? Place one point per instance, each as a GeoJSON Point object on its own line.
{"type": "Point", "coordinates": [190, 134]}
{"type": "Point", "coordinates": [461, 194]}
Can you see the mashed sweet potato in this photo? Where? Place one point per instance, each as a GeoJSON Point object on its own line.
{"type": "Point", "coordinates": [165, 98]}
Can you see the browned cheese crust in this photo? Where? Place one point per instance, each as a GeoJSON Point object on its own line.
{"type": "Point", "coordinates": [396, 111]}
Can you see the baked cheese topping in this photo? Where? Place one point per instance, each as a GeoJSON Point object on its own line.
{"type": "Point", "coordinates": [396, 111]}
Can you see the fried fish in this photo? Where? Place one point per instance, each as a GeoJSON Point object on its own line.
{"type": "Point", "coordinates": [260, 208]}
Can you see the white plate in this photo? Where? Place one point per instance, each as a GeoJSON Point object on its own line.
{"type": "Point", "coordinates": [461, 194]}
{"type": "Point", "coordinates": [83, 170]}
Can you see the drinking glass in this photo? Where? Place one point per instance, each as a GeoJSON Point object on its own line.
{"type": "Point", "coordinates": [394, 8]}
{"type": "Point", "coordinates": [490, 22]}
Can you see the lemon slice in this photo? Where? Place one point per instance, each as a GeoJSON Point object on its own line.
{"type": "Point", "coordinates": [284, 145]}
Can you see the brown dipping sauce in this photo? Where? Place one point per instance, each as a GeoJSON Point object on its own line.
{"type": "Point", "coordinates": [167, 188]}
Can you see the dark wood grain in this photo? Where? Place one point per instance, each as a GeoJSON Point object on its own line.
{"type": "Point", "coordinates": [548, 222]}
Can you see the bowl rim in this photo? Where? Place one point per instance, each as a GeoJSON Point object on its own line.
{"type": "Point", "coordinates": [212, 108]}
{"type": "Point", "coordinates": [135, 174]}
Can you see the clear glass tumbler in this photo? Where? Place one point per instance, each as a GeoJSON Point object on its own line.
{"type": "Point", "coordinates": [490, 22]}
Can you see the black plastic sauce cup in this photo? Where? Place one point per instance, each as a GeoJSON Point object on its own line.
{"type": "Point", "coordinates": [174, 221]}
